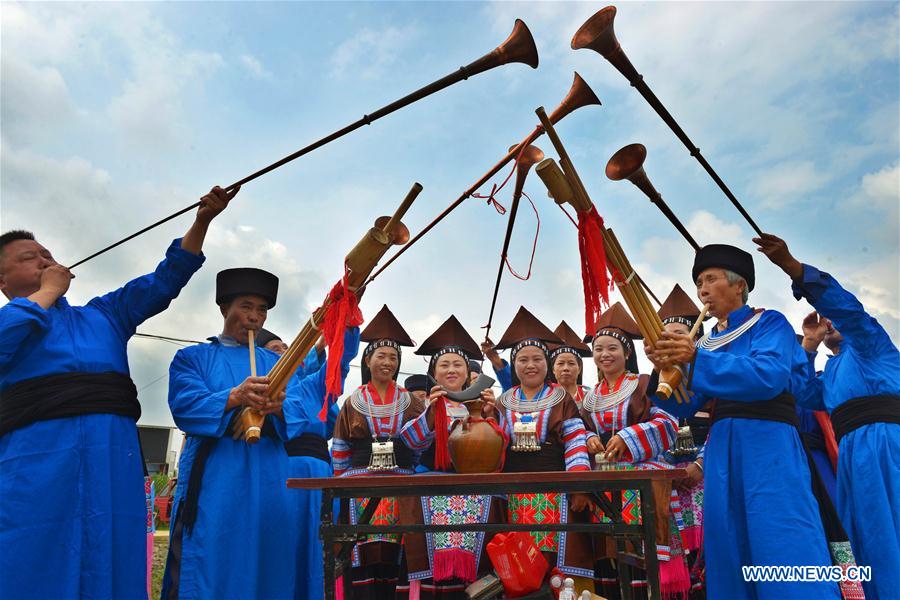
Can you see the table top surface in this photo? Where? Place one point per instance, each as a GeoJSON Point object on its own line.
{"type": "Point", "coordinates": [450, 480]}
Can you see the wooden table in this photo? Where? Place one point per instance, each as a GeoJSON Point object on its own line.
{"type": "Point", "coordinates": [595, 483]}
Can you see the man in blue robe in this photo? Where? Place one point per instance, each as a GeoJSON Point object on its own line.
{"type": "Point", "coordinates": [73, 517]}
{"type": "Point", "coordinates": [235, 527]}
{"type": "Point", "coordinates": [860, 389]}
{"type": "Point", "coordinates": [759, 509]}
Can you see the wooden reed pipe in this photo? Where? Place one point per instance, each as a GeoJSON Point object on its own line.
{"type": "Point", "coordinates": [251, 421]}
{"type": "Point", "coordinates": [404, 206]}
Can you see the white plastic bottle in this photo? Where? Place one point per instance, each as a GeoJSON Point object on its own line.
{"type": "Point", "coordinates": [568, 591]}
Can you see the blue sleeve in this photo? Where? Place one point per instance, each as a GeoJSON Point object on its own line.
{"type": "Point", "coordinates": [197, 410]}
{"type": "Point", "coordinates": [859, 329]}
{"type": "Point", "coordinates": [19, 319]}
{"type": "Point", "coordinates": [762, 374]}
{"type": "Point", "coordinates": [504, 376]}
{"type": "Point", "coordinates": [313, 361]}
{"type": "Point", "coordinates": [302, 404]}
{"type": "Point", "coordinates": [806, 385]}
{"type": "Point", "coordinates": [150, 294]}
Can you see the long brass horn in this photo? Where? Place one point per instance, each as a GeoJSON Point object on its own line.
{"type": "Point", "coordinates": [528, 157]}
{"type": "Point", "coordinates": [580, 95]}
{"type": "Point", "coordinates": [519, 47]}
{"type": "Point", "coordinates": [628, 163]}
{"type": "Point", "coordinates": [597, 34]}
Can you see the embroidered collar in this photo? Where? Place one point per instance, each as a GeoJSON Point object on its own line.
{"type": "Point", "coordinates": [708, 342]}
{"type": "Point", "coordinates": [596, 401]}
{"type": "Point", "coordinates": [549, 397]}
{"type": "Point", "coordinates": [362, 399]}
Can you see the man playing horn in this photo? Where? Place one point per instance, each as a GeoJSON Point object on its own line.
{"type": "Point", "coordinates": [759, 507]}
{"type": "Point", "coordinates": [860, 388]}
{"type": "Point", "coordinates": [73, 517]}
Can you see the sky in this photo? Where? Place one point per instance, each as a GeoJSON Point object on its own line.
{"type": "Point", "coordinates": [113, 115]}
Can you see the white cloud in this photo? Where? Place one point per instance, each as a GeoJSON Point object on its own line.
{"type": "Point", "coordinates": [35, 100]}
{"type": "Point", "coordinates": [369, 53]}
{"type": "Point", "coordinates": [255, 67]}
{"type": "Point", "coordinates": [788, 183]}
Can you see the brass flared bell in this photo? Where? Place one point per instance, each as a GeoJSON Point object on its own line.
{"type": "Point", "coordinates": [518, 47]}
{"type": "Point", "coordinates": [529, 157]}
{"type": "Point", "coordinates": [580, 94]}
{"type": "Point", "coordinates": [597, 33]}
{"type": "Point", "coordinates": [400, 233]}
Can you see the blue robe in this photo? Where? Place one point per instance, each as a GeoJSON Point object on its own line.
{"type": "Point", "coordinates": [73, 517]}
{"type": "Point", "coordinates": [241, 543]}
{"type": "Point", "coordinates": [758, 505]}
{"type": "Point", "coordinates": [504, 376]}
{"type": "Point", "coordinates": [868, 479]}
{"type": "Point", "coordinates": [301, 415]}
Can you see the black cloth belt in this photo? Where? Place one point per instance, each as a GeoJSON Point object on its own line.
{"type": "Point", "coordinates": [361, 453]}
{"type": "Point", "coordinates": [308, 444]}
{"type": "Point", "coordinates": [67, 395]}
{"type": "Point", "coordinates": [781, 409]}
{"type": "Point", "coordinates": [865, 410]}
{"type": "Point", "coordinates": [551, 457]}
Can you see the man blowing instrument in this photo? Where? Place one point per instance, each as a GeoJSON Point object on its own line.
{"type": "Point", "coordinates": [73, 518]}
{"type": "Point", "coordinates": [759, 506]}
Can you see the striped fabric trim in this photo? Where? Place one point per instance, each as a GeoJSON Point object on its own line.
{"type": "Point", "coordinates": [574, 439]}
{"type": "Point", "coordinates": [701, 451]}
{"type": "Point", "coordinates": [416, 434]}
{"type": "Point", "coordinates": [650, 439]}
{"type": "Point", "coordinates": [340, 455]}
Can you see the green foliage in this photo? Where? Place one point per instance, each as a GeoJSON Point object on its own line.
{"type": "Point", "coordinates": [160, 480]}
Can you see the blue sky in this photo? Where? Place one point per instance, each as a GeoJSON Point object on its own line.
{"type": "Point", "coordinates": [114, 115]}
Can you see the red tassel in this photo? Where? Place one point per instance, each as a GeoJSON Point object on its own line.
{"type": "Point", "coordinates": [454, 564]}
{"type": "Point", "coordinates": [342, 312]}
{"type": "Point", "coordinates": [594, 278]}
{"type": "Point", "coordinates": [674, 579]}
{"type": "Point", "coordinates": [831, 445]}
{"type": "Point", "coordinates": [441, 436]}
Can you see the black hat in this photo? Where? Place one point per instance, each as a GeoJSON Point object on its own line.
{"type": "Point", "coordinates": [416, 383]}
{"type": "Point", "coordinates": [264, 336]}
{"type": "Point", "coordinates": [723, 256]}
{"type": "Point", "coordinates": [474, 366]}
{"type": "Point", "coordinates": [247, 281]}
{"type": "Point", "coordinates": [385, 326]}
{"type": "Point", "coordinates": [571, 341]}
{"type": "Point", "coordinates": [525, 326]}
{"type": "Point", "coordinates": [451, 334]}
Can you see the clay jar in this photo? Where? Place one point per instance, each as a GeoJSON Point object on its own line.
{"type": "Point", "coordinates": [475, 446]}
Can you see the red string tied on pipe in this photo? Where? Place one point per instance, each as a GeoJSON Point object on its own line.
{"type": "Point", "coordinates": [343, 312]}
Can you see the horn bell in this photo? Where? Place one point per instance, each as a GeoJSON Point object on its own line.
{"type": "Point", "coordinates": [518, 47]}
{"type": "Point", "coordinates": [580, 94]}
{"type": "Point", "coordinates": [597, 33]}
{"type": "Point", "coordinates": [625, 163]}
{"type": "Point", "coordinates": [400, 234]}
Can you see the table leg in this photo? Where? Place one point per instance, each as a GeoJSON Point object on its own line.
{"type": "Point", "coordinates": [328, 542]}
{"type": "Point", "coordinates": [648, 520]}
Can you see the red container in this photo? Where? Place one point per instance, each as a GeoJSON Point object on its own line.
{"type": "Point", "coordinates": [518, 562]}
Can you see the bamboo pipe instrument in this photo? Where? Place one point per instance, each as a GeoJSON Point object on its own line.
{"type": "Point", "coordinates": [251, 422]}
{"type": "Point", "coordinates": [570, 187]}
{"type": "Point", "coordinates": [358, 263]}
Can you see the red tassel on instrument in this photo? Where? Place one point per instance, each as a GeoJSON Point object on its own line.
{"type": "Point", "coordinates": [594, 276]}
{"type": "Point", "coordinates": [342, 313]}
{"type": "Point", "coordinates": [441, 436]}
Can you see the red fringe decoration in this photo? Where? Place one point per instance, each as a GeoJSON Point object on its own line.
{"type": "Point", "coordinates": [674, 579]}
{"type": "Point", "coordinates": [441, 436]}
{"type": "Point", "coordinates": [692, 538]}
{"type": "Point", "coordinates": [342, 313]}
{"type": "Point", "coordinates": [594, 276]}
{"type": "Point", "coordinates": [454, 563]}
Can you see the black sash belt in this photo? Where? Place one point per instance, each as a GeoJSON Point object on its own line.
{"type": "Point", "coordinates": [308, 444]}
{"type": "Point", "coordinates": [853, 414]}
{"type": "Point", "coordinates": [361, 453]}
{"type": "Point", "coordinates": [781, 409]}
{"type": "Point", "coordinates": [67, 395]}
{"type": "Point", "coordinates": [550, 458]}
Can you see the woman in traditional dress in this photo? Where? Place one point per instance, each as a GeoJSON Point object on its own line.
{"type": "Point", "coordinates": [546, 434]}
{"type": "Point", "coordinates": [441, 565]}
{"type": "Point", "coordinates": [566, 364]}
{"type": "Point", "coordinates": [366, 443]}
{"type": "Point", "coordinates": [625, 431]}
{"type": "Point", "coordinates": [678, 314]}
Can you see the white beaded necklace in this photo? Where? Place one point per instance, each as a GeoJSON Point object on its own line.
{"type": "Point", "coordinates": [361, 403]}
{"type": "Point", "coordinates": [509, 400]}
{"type": "Point", "coordinates": [596, 402]}
{"type": "Point", "coordinates": [709, 343]}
